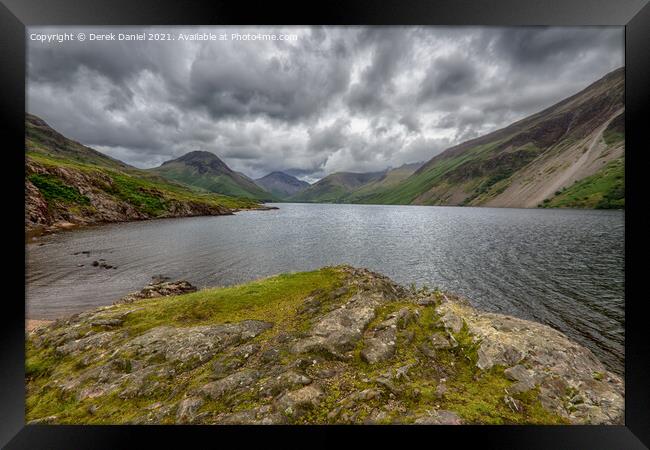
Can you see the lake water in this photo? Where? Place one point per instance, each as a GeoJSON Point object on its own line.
{"type": "Point", "coordinates": [564, 268]}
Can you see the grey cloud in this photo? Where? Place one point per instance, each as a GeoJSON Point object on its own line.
{"type": "Point", "coordinates": [448, 76]}
{"type": "Point", "coordinates": [290, 85]}
{"type": "Point", "coordinates": [410, 122]}
{"type": "Point", "coordinates": [339, 98]}
{"type": "Point", "coordinates": [540, 46]}
{"type": "Point", "coordinates": [329, 138]}
{"type": "Point", "coordinates": [390, 47]}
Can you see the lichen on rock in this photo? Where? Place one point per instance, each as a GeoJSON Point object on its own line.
{"type": "Point", "coordinates": [337, 345]}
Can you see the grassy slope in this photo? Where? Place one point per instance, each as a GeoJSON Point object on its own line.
{"type": "Point", "coordinates": [476, 396]}
{"type": "Point", "coordinates": [370, 191]}
{"type": "Point", "coordinates": [347, 187]}
{"type": "Point", "coordinates": [144, 191]}
{"type": "Point", "coordinates": [280, 187]}
{"type": "Point", "coordinates": [326, 191]}
{"type": "Point", "coordinates": [603, 190]}
{"type": "Point", "coordinates": [235, 185]}
{"type": "Point", "coordinates": [40, 138]}
{"type": "Point", "coordinates": [275, 299]}
{"type": "Point", "coordinates": [407, 191]}
{"type": "Point", "coordinates": [483, 168]}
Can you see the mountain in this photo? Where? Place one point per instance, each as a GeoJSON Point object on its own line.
{"type": "Point", "coordinates": [206, 171]}
{"type": "Point", "coordinates": [41, 138]}
{"type": "Point", "coordinates": [335, 187]}
{"type": "Point", "coordinates": [281, 184]}
{"type": "Point", "coordinates": [568, 155]}
{"type": "Point", "coordinates": [349, 187]}
{"type": "Point", "coordinates": [68, 184]}
{"type": "Point", "coordinates": [390, 179]}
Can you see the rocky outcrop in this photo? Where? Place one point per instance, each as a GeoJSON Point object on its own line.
{"type": "Point", "coordinates": [96, 197]}
{"type": "Point", "coordinates": [159, 287]}
{"type": "Point", "coordinates": [570, 379]}
{"type": "Point", "coordinates": [363, 351]}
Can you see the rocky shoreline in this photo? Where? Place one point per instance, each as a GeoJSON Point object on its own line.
{"type": "Point", "coordinates": [99, 202]}
{"type": "Point", "coordinates": [339, 345]}
{"type": "Point", "coordinates": [33, 232]}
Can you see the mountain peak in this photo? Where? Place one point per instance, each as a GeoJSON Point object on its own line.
{"type": "Point", "coordinates": [205, 170]}
{"type": "Point", "coordinates": [196, 155]}
{"type": "Point", "coordinates": [281, 184]}
{"type": "Point", "coordinates": [201, 161]}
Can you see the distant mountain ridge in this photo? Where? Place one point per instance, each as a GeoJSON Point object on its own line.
{"type": "Point", "coordinates": [281, 185]}
{"type": "Point", "coordinates": [205, 170]}
{"type": "Point", "coordinates": [352, 187]}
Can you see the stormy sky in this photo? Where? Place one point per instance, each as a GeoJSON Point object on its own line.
{"type": "Point", "coordinates": [334, 99]}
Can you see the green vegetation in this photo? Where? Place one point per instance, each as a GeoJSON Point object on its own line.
{"type": "Point", "coordinates": [615, 131]}
{"type": "Point", "coordinates": [54, 189]}
{"type": "Point", "coordinates": [432, 175]}
{"type": "Point", "coordinates": [205, 171]}
{"type": "Point", "coordinates": [477, 396]}
{"type": "Point", "coordinates": [40, 138]}
{"type": "Point", "coordinates": [338, 187]}
{"type": "Point", "coordinates": [148, 193]}
{"type": "Point", "coordinates": [137, 193]}
{"type": "Point", "coordinates": [221, 184]}
{"type": "Point", "coordinates": [61, 169]}
{"type": "Point", "coordinates": [274, 299]}
{"type": "Point", "coordinates": [479, 171]}
{"type": "Point", "coordinates": [603, 190]}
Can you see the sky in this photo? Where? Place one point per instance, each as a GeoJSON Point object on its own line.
{"type": "Point", "coordinates": [316, 100]}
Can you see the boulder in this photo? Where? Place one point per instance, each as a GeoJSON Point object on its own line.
{"type": "Point", "coordinates": [297, 403]}
{"type": "Point", "coordinates": [380, 346]}
{"type": "Point", "coordinates": [194, 345]}
{"type": "Point", "coordinates": [158, 289]}
{"type": "Point", "coordinates": [188, 409]}
{"type": "Point", "coordinates": [439, 417]}
{"type": "Point", "coordinates": [230, 384]}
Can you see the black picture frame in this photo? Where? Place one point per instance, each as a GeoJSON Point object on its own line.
{"type": "Point", "coordinates": [15, 15]}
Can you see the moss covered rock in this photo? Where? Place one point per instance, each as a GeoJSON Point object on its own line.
{"type": "Point", "coordinates": [336, 345]}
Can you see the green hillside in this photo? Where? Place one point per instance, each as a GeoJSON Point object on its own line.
{"type": "Point", "coordinates": [603, 190]}
{"type": "Point", "coordinates": [525, 163]}
{"type": "Point", "coordinates": [281, 185]}
{"type": "Point", "coordinates": [68, 183]}
{"type": "Point", "coordinates": [206, 171]}
{"type": "Point", "coordinates": [349, 187]}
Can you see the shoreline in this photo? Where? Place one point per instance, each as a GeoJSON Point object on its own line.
{"type": "Point", "coordinates": [32, 324]}
{"type": "Point", "coordinates": [32, 234]}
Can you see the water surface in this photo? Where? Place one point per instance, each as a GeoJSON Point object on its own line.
{"type": "Point", "coordinates": [559, 267]}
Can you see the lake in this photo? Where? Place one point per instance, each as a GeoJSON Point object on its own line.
{"type": "Point", "coordinates": [564, 268]}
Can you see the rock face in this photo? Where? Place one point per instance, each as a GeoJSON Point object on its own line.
{"type": "Point", "coordinates": [101, 204]}
{"type": "Point", "coordinates": [571, 381]}
{"type": "Point", "coordinates": [363, 351]}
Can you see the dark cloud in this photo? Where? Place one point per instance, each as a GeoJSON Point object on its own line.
{"type": "Point", "coordinates": [289, 85]}
{"type": "Point", "coordinates": [448, 76]}
{"type": "Point", "coordinates": [337, 98]}
{"type": "Point", "coordinates": [389, 49]}
{"type": "Point", "coordinates": [542, 46]}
